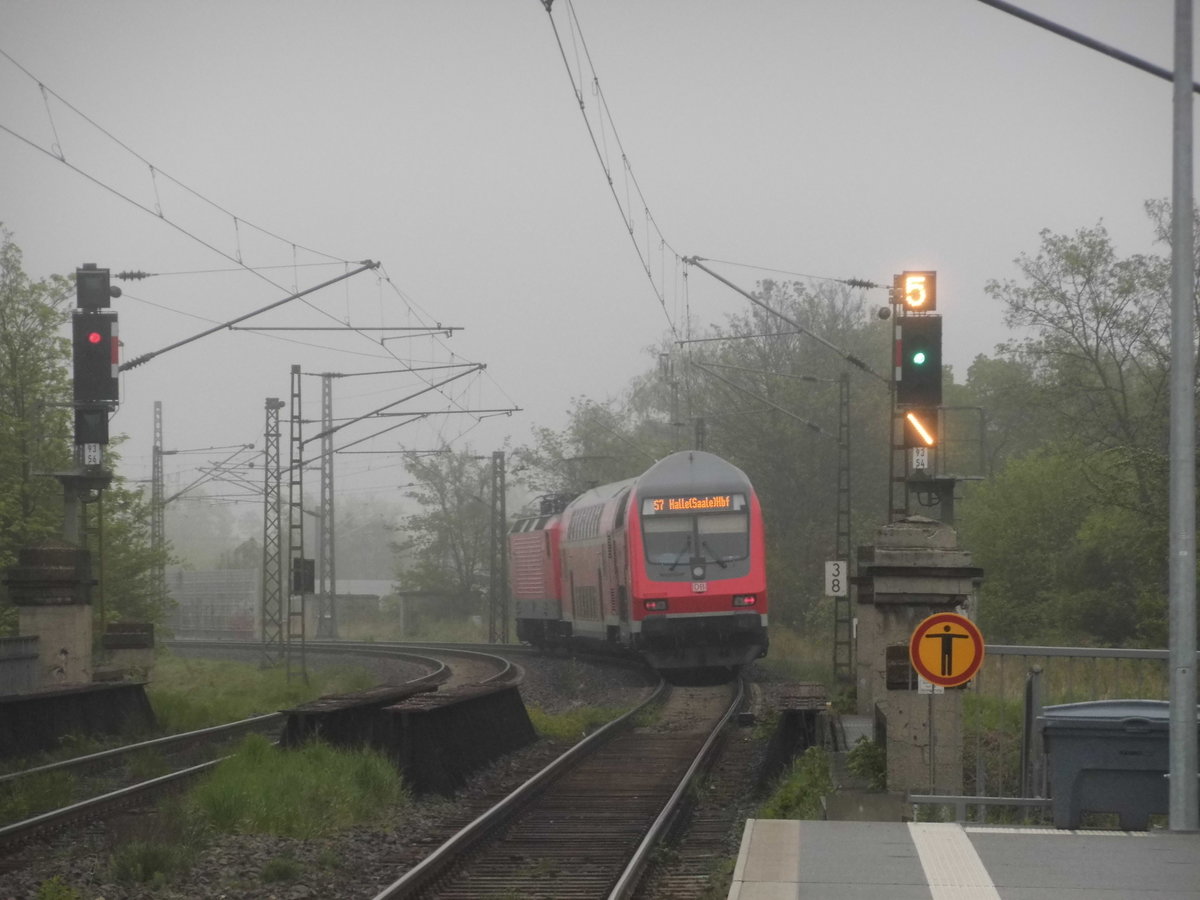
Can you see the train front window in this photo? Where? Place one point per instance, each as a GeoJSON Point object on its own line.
{"type": "Point", "coordinates": [723, 538]}
{"type": "Point", "coordinates": [670, 540]}
{"type": "Point", "coordinates": [715, 538]}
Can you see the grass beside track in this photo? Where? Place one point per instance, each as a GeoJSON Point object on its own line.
{"type": "Point", "coordinates": [312, 792]}
{"type": "Point", "coordinates": [308, 792]}
{"type": "Point", "coordinates": [572, 725]}
{"type": "Point", "coordinates": [198, 693]}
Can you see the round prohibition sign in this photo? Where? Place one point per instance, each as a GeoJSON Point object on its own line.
{"type": "Point", "coordinates": [946, 649]}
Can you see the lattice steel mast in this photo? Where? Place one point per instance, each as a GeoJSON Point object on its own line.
{"type": "Point", "coordinates": [158, 538]}
{"type": "Point", "coordinates": [297, 589]}
{"type": "Point", "coordinates": [326, 571]}
{"type": "Point", "coordinates": [272, 565]}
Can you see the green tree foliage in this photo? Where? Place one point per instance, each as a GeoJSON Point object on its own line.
{"type": "Point", "coordinates": [34, 388]}
{"type": "Point", "coordinates": [127, 562]}
{"type": "Point", "coordinates": [36, 441]}
{"type": "Point", "coordinates": [1072, 528]}
{"type": "Point", "coordinates": [1100, 345]}
{"type": "Point", "coordinates": [450, 537]}
{"type": "Point", "coordinates": [602, 443]}
{"type": "Point", "coordinates": [1062, 565]}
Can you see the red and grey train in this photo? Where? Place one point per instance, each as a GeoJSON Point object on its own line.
{"type": "Point", "coordinates": [669, 565]}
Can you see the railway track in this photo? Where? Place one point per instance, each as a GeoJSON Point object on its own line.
{"type": "Point", "coordinates": [588, 824]}
{"type": "Point", "coordinates": [474, 664]}
{"type": "Point", "coordinates": [122, 790]}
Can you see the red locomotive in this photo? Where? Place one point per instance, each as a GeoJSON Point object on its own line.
{"type": "Point", "coordinates": [670, 565]}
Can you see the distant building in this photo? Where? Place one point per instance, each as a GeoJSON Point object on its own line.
{"type": "Point", "coordinates": [215, 605]}
{"type": "Point", "coordinates": [226, 604]}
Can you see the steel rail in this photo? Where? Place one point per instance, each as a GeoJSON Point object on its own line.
{"type": "Point", "coordinates": [438, 673]}
{"type": "Point", "coordinates": [441, 860]}
{"type": "Point", "coordinates": [630, 879]}
{"type": "Point", "coordinates": [166, 741]}
{"type": "Point", "coordinates": [26, 828]}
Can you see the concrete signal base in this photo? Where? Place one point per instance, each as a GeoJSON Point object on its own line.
{"type": "Point", "coordinates": [51, 588]}
{"type": "Point", "coordinates": [913, 570]}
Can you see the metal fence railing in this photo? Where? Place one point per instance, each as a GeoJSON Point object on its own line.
{"type": "Point", "coordinates": [1003, 756]}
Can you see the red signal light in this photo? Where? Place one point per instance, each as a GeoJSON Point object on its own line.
{"type": "Point", "coordinates": [94, 337]}
{"type": "Point", "coordinates": [744, 599]}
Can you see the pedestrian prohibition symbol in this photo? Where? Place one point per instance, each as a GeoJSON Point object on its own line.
{"type": "Point", "coordinates": [946, 649]}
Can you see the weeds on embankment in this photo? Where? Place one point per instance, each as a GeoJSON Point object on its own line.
{"type": "Point", "coordinates": [188, 694]}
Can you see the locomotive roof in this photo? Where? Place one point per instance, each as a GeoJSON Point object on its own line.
{"type": "Point", "coordinates": [692, 471]}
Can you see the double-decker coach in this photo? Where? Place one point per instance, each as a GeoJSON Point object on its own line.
{"type": "Point", "coordinates": [670, 565]}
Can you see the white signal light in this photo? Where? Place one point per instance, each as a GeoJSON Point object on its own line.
{"type": "Point", "coordinates": [920, 429]}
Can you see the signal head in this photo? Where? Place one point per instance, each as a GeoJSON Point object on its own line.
{"type": "Point", "coordinates": [919, 361]}
{"type": "Point", "coordinates": [921, 428]}
{"type": "Point", "coordinates": [915, 291]}
{"type": "Point", "coordinates": [92, 287]}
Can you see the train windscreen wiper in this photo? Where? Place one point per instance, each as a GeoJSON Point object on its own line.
{"type": "Point", "coordinates": [717, 559]}
{"type": "Point", "coordinates": [679, 556]}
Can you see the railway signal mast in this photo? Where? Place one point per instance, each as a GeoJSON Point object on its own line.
{"type": "Point", "coordinates": [95, 391]}
{"type": "Point", "coordinates": [917, 392]}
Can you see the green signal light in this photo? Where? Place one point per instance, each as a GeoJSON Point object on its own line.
{"type": "Point", "coordinates": [919, 358]}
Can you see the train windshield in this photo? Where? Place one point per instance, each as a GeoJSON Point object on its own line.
{"type": "Point", "coordinates": [713, 537]}
{"type": "Point", "coordinates": [723, 537]}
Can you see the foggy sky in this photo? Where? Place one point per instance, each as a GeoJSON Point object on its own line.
{"type": "Point", "coordinates": [855, 138]}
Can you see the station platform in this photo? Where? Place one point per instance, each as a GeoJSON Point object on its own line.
{"type": "Point", "coordinates": [782, 859]}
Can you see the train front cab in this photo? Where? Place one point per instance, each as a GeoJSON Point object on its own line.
{"type": "Point", "coordinates": [698, 568]}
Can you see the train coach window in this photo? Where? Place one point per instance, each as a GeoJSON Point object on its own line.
{"type": "Point", "coordinates": [724, 538]}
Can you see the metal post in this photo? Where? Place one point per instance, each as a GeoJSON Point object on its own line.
{"type": "Point", "coordinates": [498, 594]}
{"type": "Point", "coordinates": [72, 514]}
{"type": "Point", "coordinates": [1032, 764]}
{"type": "Point", "coordinates": [158, 533]}
{"type": "Point", "coordinates": [272, 564]}
{"type": "Point", "coordinates": [504, 596]}
{"type": "Point", "coordinates": [296, 624]}
{"type": "Point", "coordinates": [1183, 812]}
{"type": "Point", "coordinates": [843, 615]}
{"type": "Point", "coordinates": [327, 591]}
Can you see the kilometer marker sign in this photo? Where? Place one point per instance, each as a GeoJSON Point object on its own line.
{"type": "Point", "coordinates": [946, 649]}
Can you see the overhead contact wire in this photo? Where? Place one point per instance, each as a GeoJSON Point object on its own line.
{"type": "Point", "coordinates": [600, 154]}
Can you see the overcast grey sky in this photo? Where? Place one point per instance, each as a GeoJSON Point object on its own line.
{"type": "Point", "coordinates": [845, 138]}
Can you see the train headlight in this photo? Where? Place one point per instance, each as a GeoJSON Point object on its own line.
{"type": "Point", "coordinates": [659, 605]}
{"type": "Point", "coordinates": [744, 599]}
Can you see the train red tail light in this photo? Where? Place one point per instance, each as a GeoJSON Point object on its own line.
{"type": "Point", "coordinates": [656, 605]}
{"type": "Point", "coordinates": [744, 599]}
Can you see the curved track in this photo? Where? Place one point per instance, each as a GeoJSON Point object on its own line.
{"type": "Point", "coordinates": [474, 667]}
{"type": "Point", "coordinates": [586, 825]}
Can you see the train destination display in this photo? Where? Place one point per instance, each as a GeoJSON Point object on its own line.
{"type": "Point", "coordinates": [652, 506]}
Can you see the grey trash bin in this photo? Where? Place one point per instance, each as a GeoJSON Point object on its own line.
{"type": "Point", "coordinates": [1108, 756]}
